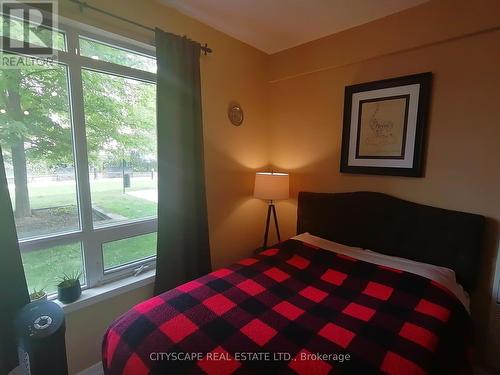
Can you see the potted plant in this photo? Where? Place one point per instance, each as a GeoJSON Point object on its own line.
{"type": "Point", "coordinates": [38, 295]}
{"type": "Point", "coordinates": [69, 288]}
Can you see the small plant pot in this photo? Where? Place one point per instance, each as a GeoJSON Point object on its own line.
{"type": "Point", "coordinates": [69, 294]}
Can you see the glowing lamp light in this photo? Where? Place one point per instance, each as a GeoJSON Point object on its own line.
{"type": "Point", "coordinates": [271, 186]}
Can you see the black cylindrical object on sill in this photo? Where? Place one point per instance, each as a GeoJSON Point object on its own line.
{"type": "Point", "coordinates": [41, 339]}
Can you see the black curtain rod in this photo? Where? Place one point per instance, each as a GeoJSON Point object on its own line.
{"type": "Point", "coordinates": [205, 48]}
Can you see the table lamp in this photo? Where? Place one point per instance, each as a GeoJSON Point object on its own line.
{"type": "Point", "coordinates": [271, 187]}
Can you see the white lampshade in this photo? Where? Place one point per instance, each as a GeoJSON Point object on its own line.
{"type": "Point", "coordinates": [271, 186]}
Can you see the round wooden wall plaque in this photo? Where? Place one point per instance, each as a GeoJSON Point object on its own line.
{"type": "Point", "coordinates": [235, 114]}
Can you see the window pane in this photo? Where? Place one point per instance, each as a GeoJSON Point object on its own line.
{"type": "Point", "coordinates": [116, 55]}
{"type": "Point", "coordinates": [128, 250]}
{"type": "Point", "coordinates": [120, 116]}
{"type": "Point", "coordinates": [43, 268]}
{"type": "Point", "coordinates": [39, 36]}
{"type": "Point", "coordinates": [36, 140]}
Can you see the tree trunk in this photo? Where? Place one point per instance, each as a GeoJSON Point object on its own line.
{"type": "Point", "coordinates": [22, 203]}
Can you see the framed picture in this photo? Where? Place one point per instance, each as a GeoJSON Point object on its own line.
{"type": "Point", "coordinates": [384, 126]}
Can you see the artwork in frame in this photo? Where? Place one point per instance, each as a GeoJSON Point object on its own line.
{"type": "Point", "coordinates": [384, 126]}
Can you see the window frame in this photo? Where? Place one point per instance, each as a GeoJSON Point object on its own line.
{"type": "Point", "coordinates": [90, 237]}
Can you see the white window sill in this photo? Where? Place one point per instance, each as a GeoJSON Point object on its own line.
{"type": "Point", "coordinates": [101, 293]}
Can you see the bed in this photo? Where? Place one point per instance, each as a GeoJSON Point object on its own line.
{"type": "Point", "coordinates": [371, 284]}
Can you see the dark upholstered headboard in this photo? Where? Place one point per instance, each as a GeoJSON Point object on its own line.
{"type": "Point", "coordinates": [392, 226]}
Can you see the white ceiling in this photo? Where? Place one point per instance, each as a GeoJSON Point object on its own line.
{"type": "Point", "coordinates": [275, 25]}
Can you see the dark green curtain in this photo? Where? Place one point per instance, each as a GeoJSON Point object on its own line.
{"type": "Point", "coordinates": [13, 290]}
{"type": "Point", "coordinates": [183, 250]}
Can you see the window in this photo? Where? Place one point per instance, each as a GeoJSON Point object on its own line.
{"type": "Point", "coordinates": [121, 142]}
{"type": "Point", "coordinates": [44, 266]}
{"type": "Point", "coordinates": [102, 51]}
{"type": "Point", "coordinates": [78, 137]}
{"type": "Point", "coordinates": [38, 36]}
{"type": "Point", "coordinates": [140, 247]}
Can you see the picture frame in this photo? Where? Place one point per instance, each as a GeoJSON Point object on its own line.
{"type": "Point", "coordinates": [384, 126]}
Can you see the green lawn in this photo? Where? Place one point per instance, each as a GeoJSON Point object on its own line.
{"type": "Point", "coordinates": [135, 248]}
{"type": "Point", "coordinates": [124, 205]}
{"type": "Point", "coordinates": [43, 267]}
{"type": "Point", "coordinates": [64, 193]}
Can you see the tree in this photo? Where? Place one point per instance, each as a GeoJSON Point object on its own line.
{"type": "Point", "coordinates": [35, 122]}
{"type": "Point", "coordinates": [120, 117]}
{"type": "Point", "coordinates": [35, 126]}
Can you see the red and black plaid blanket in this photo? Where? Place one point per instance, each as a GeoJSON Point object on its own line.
{"type": "Point", "coordinates": [294, 309]}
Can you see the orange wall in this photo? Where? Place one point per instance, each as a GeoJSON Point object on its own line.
{"type": "Point", "coordinates": [429, 23]}
{"type": "Point", "coordinates": [459, 41]}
